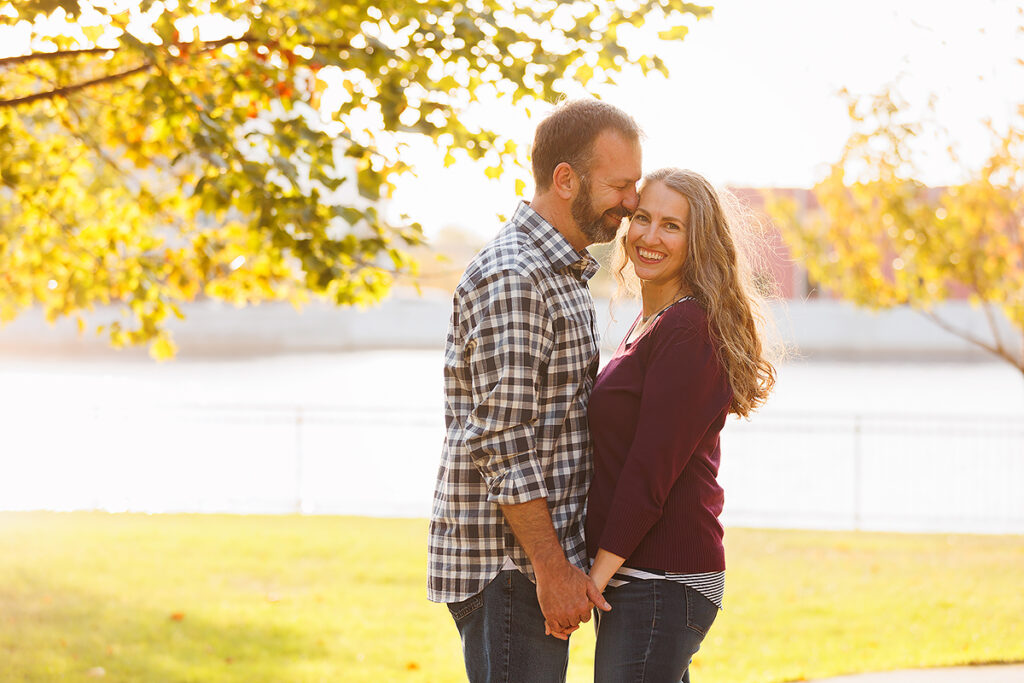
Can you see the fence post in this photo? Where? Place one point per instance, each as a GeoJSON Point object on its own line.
{"type": "Point", "coordinates": [858, 475]}
{"type": "Point", "coordinates": [299, 493]}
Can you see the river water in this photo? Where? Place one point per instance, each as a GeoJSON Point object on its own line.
{"type": "Point", "coordinates": [874, 445]}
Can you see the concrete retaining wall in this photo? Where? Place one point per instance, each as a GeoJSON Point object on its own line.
{"type": "Point", "coordinates": [407, 320]}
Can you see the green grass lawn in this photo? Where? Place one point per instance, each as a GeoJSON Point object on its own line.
{"type": "Point", "coordinates": [247, 598]}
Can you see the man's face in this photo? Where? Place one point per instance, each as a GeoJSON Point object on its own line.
{"type": "Point", "coordinates": [607, 191]}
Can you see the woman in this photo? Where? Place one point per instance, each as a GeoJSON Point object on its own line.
{"type": "Point", "coordinates": [693, 356]}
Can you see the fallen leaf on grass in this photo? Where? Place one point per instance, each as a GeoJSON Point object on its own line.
{"type": "Point", "coordinates": [178, 616]}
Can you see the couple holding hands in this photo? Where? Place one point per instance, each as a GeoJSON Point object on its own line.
{"type": "Point", "coordinates": [563, 491]}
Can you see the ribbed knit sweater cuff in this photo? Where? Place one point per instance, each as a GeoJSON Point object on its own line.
{"type": "Point", "coordinates": [624, 532]}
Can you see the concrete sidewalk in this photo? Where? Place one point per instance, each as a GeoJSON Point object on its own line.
{"type": "Point", "coordinates": [996, 673]}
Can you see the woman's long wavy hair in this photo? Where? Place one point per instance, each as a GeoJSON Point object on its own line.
{"type": "Point", "coordinates": [720, 277]}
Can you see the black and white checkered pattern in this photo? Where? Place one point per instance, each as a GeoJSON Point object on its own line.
{"type": "Point", "coordinates": [520, 361]}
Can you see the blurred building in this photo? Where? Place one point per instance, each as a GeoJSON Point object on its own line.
{"type": "Point", "coordinates": [789, 275]}
{"type": "Point", "coordinates": [777, 263]}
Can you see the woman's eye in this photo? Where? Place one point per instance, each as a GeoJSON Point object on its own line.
{"type": "Point", "coordinates": [671, 226]}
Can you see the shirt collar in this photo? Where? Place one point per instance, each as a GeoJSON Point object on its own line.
{"type": "Point", "coordinates": [553, 245]}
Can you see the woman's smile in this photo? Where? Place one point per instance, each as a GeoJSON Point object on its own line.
{"type": "Point", "coordinates": [649, 256]}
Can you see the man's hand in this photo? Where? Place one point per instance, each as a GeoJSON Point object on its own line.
{"type": "Point", "coordinates": [566, 596]}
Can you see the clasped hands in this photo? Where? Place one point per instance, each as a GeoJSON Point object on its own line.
{"type": "Point", "coordinates": [566, 596]}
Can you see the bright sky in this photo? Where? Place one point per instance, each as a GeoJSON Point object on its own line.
{"type": "Point", "coordinates": [752, 99]}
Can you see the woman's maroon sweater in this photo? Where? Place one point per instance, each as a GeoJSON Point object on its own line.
{"type": "Point", "coordinates": [655, 414]}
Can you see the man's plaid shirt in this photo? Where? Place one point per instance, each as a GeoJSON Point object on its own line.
{"type": "Point", "coordinates": [520, 361]}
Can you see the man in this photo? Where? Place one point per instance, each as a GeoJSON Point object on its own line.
{"type": "Point", "coordinates": [520, 361]}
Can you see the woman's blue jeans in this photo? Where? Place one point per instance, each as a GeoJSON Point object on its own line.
{"type": "Point", "coordinates": [502, 632]}
{"type": "Point", "coordinates": [652, 632]}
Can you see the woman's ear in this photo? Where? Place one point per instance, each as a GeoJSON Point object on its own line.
{"type": "Point", "coordinates": [564, 181]}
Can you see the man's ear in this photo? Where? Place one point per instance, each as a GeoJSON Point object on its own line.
{"type": "Point", "coordinates": [564, 181]}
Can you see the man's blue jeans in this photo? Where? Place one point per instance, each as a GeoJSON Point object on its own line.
{"type": "Point", "coordinates": [502, 631]}
{"type": "Point", "coordinates": [653, 630]}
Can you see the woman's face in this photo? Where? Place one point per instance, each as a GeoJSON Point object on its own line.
{"type": "Point", "coordinates": [656, 243]}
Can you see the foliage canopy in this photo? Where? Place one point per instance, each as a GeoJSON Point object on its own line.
{"type": "Point", "coordinates": [155, 151]}
{"type": "Point", "coordinates": [881, 238]}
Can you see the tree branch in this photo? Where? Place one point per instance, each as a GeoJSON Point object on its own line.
{"type": "Point", "coordinates": [993, 325]}
{"type": "Point", "coordinates": [1001, 353]}
{"type": "Point", "coordinates": [990, 318]}
{"type": "Point", "coordinates": [59, 54]}
{"type": "Point", "coordinates": [66, 90]}
{"type": "Point", "coordinates": [199, 47]}
{"type": "Point", "coordinates": [61, 92]}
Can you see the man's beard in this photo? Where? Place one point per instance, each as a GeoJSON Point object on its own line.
{"type": "Point", "coordinates": [591, 223]}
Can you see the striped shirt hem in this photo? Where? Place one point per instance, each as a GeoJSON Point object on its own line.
{"type": "Point", "coordinates": [709, 584]}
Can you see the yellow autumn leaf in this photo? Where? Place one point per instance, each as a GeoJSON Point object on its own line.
{"type": "Point", "coordinates": [162, 349]}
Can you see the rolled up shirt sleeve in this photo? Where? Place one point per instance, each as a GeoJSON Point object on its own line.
{"type": "Point", "coordinates": [505, 349]}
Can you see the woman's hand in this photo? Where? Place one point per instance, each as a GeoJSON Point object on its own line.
{"type": "Point", "coordinates": [604, 568]}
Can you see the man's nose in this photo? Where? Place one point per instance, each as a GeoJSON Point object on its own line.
{"type": "Point", "coordinates": [632, 201]}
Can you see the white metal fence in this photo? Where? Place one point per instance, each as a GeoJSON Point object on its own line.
{"type": "Point", "coordinates": [807, 470]}
{"type": "Point", "coordinates": [888, 472]}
